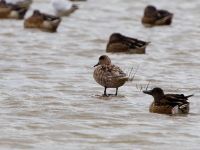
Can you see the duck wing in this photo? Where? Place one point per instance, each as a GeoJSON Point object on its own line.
{"type": "Point", "coordinates": [176, 99]}
{"type": "Point", "coordinates": [110, 76]}
{"type": "Point", "coordinates": [14, 6]}
{"type": "Point", "coordinates": [112, 71]}
{"type": "Point", "coordinates": [134, 43]}
{"type": "Point", "coordinates": [163, 13]}
{"type": "Point", "coordinates": [49, 17]}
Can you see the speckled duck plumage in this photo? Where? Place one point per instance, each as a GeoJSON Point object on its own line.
{"type": "Point", "coordinates": [109, 75]}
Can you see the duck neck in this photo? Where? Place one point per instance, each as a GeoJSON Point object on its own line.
{"type": "Point", "coordinates": [158, 98]}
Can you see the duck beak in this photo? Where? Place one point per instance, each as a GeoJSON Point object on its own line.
{"type": "Point", "coordinates": [148, 92]}
{"type": "Point", "coordinates": [75, 6]}
{"type": "Point", "coordinates": [96, 64]}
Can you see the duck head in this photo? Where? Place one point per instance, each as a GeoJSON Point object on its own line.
{"type": "Point", "coordinates": [157, 93]}
{"type": "Point", "coordinates": [3, 3]}
{"type": "Point", "coordinates": [22, 13]}
{"type": "Point", "coordinates": [116, 37]}
{"type": "Point", "coordinates": [103, 60]}
{"type": "Point", "coordinates": [150, 11]}
{"type": "Point", "coordinates": [36, 13]}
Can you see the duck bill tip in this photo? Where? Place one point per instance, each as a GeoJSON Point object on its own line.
{"type": "Point", "coordinates": [75, 6]}
{"type": "Point", "coordinates": [147, 92]}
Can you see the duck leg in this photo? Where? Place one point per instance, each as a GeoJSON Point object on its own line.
{"type": "Point", "coordinates": [116, 91]}
{"type": "Point", "coordinates": [105, 92]}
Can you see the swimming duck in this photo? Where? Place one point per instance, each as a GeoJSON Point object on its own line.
{"type": "Point", "coordinates": [168, 103]}
{"type": "Point", "coordinates": [42, 21]}
{"type": "Point", "coordinates": [121, 43]}
{"type": "Point", "coordinates": [11, 11]}
{"type": "Point", "coordinates": [21, 3]}
{"type": "Point", "coordinates": [109, 75]}
{"type": "Point", "coordinates": [153, 17]}
{"type": "Point", "coordinates": [63, 7]}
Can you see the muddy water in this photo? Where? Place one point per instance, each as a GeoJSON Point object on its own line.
{"type": "Point", "coordinates": [48, 95]}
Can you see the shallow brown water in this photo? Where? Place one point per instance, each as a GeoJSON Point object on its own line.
{"type": "Point", "coordinates": [48, 95]}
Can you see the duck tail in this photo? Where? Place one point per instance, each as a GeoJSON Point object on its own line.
{"type": "Point", "coordinates": [184, 108]}
{"type": "Point", "coordinates": [147, 43]}
{"type": "Point", "coordinates": [130, 79]}
{"type": "Point", "coordinates": [189, 95]}
{"type": "Point", "coordinates": [124, 79]}
{"type": "Point", "coordinates": [22, 13]}
{"type": "Point", "coordinates": [56, 22]}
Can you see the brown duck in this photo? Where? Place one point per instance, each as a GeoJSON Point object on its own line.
{"type": "Point", "coordinates": [11, 11]}
{"type": "Point", "coordinates": [121, 43]}
{"type": "Point", "coordinates": [153, 17]}
{"type": "Point", "coordinates": [21, 3]}
{"type": "Point", "coordinates": [42, 21]}
{"type": "Point", "coordinates": [168, 103]}
{"type": "Point", "coordinates": [109, 75]}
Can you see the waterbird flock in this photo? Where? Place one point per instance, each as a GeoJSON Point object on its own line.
{"type": "Point", "coordinates": [105, 73]}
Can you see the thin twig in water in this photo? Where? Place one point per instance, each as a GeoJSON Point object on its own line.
{"type": "Point", "coordinates": [147, 85]}
{"type": "Point", "coordinates": [136, 86]}
{"type": "Point", "coordinates": [130, 72]}
{"type": "Point", "coordinates": [131, 78]}
{"type": "Point", "coordinates": [141, 88]}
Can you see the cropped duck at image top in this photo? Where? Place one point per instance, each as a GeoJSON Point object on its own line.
{"type": "Point", "coordinates": [168, 103]}
{"type": "Point", "coordinates": [63, 7]}
{"type": "Point", "coordinates": [42, 21]}
{"type": "Point", "coordinates": [153, 17]}
{"type": "Point", "coordinates": [121, 43]}
{"type": "Point", "coordinates": [109, 75]}
{"type": "Point", "coordinates": [11, 11]}
{"type": "Point", "coordinates": [21, 3]}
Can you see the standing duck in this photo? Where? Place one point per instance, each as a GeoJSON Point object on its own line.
{"type": "Point", "coordinates": [109, 75]}
{"type": "Point", "coordinates": [63, 7]}
{"type": "Point", "coordinates": [121, 43]}
{"type": "Point", "coordinates": [11, 11]}
{"type": "Point", "coordinates": [42, 21]}
{"type": "Point", "coordinates": [168, 103]}
{"type": "Point", "coordinates": [153, 17]}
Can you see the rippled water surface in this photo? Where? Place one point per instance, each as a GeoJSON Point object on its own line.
{"type": "Point", "coordinates": [48, 94]}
